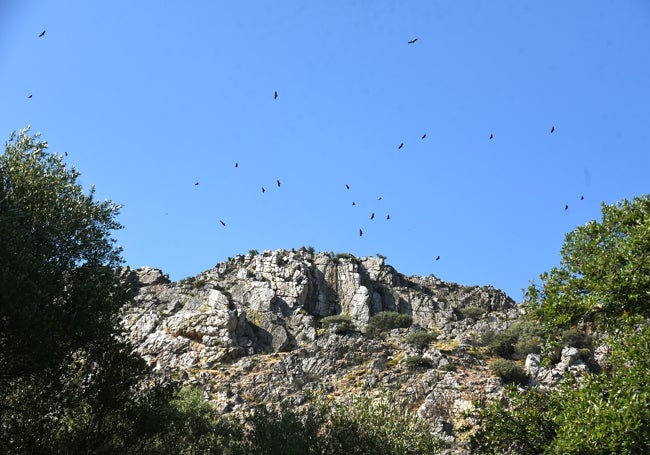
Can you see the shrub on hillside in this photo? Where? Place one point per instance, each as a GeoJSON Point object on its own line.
{"type": "Point", "coordinates": [387, 320]}
{"type": "Point", "coordinates": [516, 342]}
{"type": "Point", "coordinates": [417, 361]}
{"type": "Point", "coordinates": [510, 372]}
{"type": "Point", "coordinates": [472, 312]}
{"type": "Point", "coordinates": [421, 339]}
{"type": "Point", "coordinates": [338, 323]}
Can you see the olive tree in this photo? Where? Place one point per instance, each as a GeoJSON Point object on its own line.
{"type": "Point", "coordinates": [69, 381]}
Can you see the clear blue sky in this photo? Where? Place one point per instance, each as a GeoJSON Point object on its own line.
{"type": "Point", "coordinates": [150, 97]}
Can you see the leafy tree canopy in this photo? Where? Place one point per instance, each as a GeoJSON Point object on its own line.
{"type": "Point", "coordinates": [604, 272]}
{"type": "Point", "coordinates": [69, 382]}
{"type": "Point", "coordinates": [603, 281]}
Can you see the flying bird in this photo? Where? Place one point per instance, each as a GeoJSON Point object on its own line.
{"type": "Point", "coordinates": [566, 207]}
{"type": "Point", "coordinates": [379, 198]}
{"type": "Point", "coordinates": [275, 95]}
{"type": "Point", "coordinates": [400, 146]}
{"type": "Point", "coordinates": [222, 223]}
{"type": "Point", "coordinates": [263, 189]}
{"type": "Point", "coordinates": [354, 203]}
{"type": "Point", "coordinates": [347, 187]}
{"type": "Point", "coordinates": [372, 216]}
{"type": "Point", "coordinates": [437, 258]}
{"type": "Point", "coordinates": [42, 34]}
{"type": "Point", "coordinates": [388, 217]}
{"type": "Point", "coordinates": [236, 164]}
{"type": "Point", "coordinates": [360, 232]}
{"type": "Point", "coordinates": [278, 183]}
{"type": "Point", "coordinates": [552, 129]}
{"type": "Point", "coordinates": [413, 41]}
{"type": "Point", "coordinates": [424, 135]}
{"type": "Point", "coordinates": [582, 198]}
{"type": "Point", "coordinates": [491, 136]}
{"type": "Point", "coordinates": [196, 184]}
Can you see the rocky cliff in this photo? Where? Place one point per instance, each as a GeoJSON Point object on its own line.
{"type": "Point", "coordinates": [251, 330]}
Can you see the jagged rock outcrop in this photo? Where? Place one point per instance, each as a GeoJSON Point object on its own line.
{"type": "Point", "coordinates": [248, 331]}
{"type": "Point", "coordinates": [272, 302]}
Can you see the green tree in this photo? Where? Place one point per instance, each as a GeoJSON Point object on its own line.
{"type": "Point", "coordinates": [68, 380]}
{"type": "Point", "coordinates": [604, 270]}
{"type": "Point", "coordinates": [603, 282]}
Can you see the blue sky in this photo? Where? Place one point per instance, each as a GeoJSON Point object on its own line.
{"type": "Point", "coordinates": [150, 97]}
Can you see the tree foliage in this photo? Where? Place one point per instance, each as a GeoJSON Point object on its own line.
{"type": "Point", "coordinates": [69, 382]}
{"type": "Point", "coordinates": [603, 282]}
{"type": "Point", "coordinates": [604, 271]}
{"type": "Point", "coordinates": [385, 321]}
{"type": "Point", "coordinates": [362, 426]}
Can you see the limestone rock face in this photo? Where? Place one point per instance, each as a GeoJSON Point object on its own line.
{"type": "Point", "coordinates": [249, 331]}
{"type": "Point", "coordinates": [273, 301]}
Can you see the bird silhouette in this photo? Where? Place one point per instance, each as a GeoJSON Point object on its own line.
{"type": "Point", "coordinates": [372, 216]}
{"type": "Point", "coordinates": [582, 198]}
{"type": "Point", "coordinates": [29, 96]}
{"type": "Point", "coordinates": [275, 96]}
{"type": "Point", "coordinates": [278, 183]}
{"type": "Point", "coordinates": [360, 232]}
{"type": "Point", "coordinates": [222, 223]}
{"type": "Point", "coordinates": [388, 217]}
{"type": "Point", "coordinates": [236, 164]}
{"type": "Point", "coordinates": [437, 258]}
{"type": "Point", "coordinates": [400, 146]}
{"type": "Point", "coordinates": [413, 41]}
{"type": "Point", "coordinates": [354, 203]}
{"type": "Point", "coordinates": [42, 34]}
{"type": "Point", "coordinates": [263, 189]}
{"type": "Point", "coordinates": [379, 199]}
{"type": "Point", "coordinates": [424, 135]}
{"type": "Point", "coordinates": [491, 136]}
{"type": "Point", "coordinates": [552, 129]}
{"type": "Point", "coordinates": [347, 187]}
{"type": "Point", "coordinates": [196, 184]}
{"type": "Point", "coordinates": [566, 207]}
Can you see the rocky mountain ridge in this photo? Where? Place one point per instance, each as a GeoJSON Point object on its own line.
{"type": "Point", "coordinates": [250, 330]}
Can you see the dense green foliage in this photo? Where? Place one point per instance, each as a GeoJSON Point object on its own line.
{"type": "Point", "coordinates": [340, 323]}
{"type": "Point", "coordinates": [523, 337]}
{"type": "Point", "coordinates": [604, 272]}
{"type": "Point", "coordinates": [68, 382]}
{"type": "Point", "coordinates": [603, 283]}
{"type": "Point", "coordinates": [421, 338]}
{"type": "Point", "coordinates": [509, 371]}
{"type": "Point", "coordinates": [385, 321]}
{"type": "Point", "coordinates": [364, 426]}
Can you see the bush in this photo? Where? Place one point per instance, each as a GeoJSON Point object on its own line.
{"type": "Point", "coordinates": [421, 339]}
{"type": "Point", "coordinates": [338, 323]}
{"type": "Point", "coordinates": [387, 320]}
{"type": "Point", "coordinates": [501, 344]}
{"type": "Point", "coordinates": [517, 341]}
{"type": "Point", "coordinates": [510, 372]}
{"type": "Point", "coordinates": [472, 312]}
{"type": "Point", "coordinates": [575, 338]}
{"type": "Point", "coordinates": [363, 426]}
{"type": "Point", "coordinates": [417, 361]}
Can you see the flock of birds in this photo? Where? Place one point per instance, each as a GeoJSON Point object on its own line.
{"type": "Point", "coordinates": [347, 186]}
{"type": "Point", "coordinates": [399, 147]}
